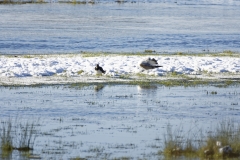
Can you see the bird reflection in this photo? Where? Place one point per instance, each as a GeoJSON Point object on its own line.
{"type": "Point", "coordinates": [147, 87]}
{"type": "Point", "coordinates": [98, 87]}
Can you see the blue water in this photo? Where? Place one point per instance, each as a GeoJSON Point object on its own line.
{"type": "Point", "coordinates": [76, 119]}
{"type": "Point", "coordinates": [172, 26]}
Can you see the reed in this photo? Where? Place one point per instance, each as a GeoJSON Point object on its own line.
{"type": "Point", "coordinates": [6, 141]}
{"type": "Point", "coordinates": [177, 143]}
{"type": "Point", "coordinates": [17, 135]}
{"type": "Point", "coordinates": [196, 144]}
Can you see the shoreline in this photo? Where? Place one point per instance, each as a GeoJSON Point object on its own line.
{"type": "Point", "coordinates": [179, 80]}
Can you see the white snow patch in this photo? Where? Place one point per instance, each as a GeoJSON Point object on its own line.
{"type": "Point", "coordinates": [114, 65]}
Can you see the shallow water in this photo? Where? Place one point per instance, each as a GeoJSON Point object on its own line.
{"type": "Point", "coordinates": [188, 26]}
{"type": "Point", "coordinates": [107, 121]}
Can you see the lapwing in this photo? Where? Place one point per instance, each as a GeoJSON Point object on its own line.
{"type": "Point", "coordinates": [99, 70]}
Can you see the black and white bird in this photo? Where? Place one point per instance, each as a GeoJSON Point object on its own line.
{"type": "Point", "coordinates": [99, 70]}
{"type": "Point", "coordinates": [225, 150]}
{"type": "Point", "coordinates": [149, 63]}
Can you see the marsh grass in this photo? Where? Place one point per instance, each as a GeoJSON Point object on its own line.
{"type": "Point", "coordinates": [228, 133]}
{"type": "Point", "coordinates": [124, 76]}
{"type": "Point", "coordinates": [225, 53]}
{"type": "Point", "coordinates": [194, 143]}
{"type": "Point", "coordinates": [80, 72]}
{"type": "Point", "coordinates": [28, 56]}
{"type": "Point", "coordinates": [141, 83]}
{"type": "Point", "coordinates": [17, 135]}
{"type": "Point", "coordinates": [112, 54]}
{"type": "Point", "coordinates": [25, 136]}
{"type": "Point", "coordinates": [104, 54]}
{"type": "Point", "coordinates": [141, 75]}
{"type": "Point", "coordinates": [148, 83]}
{"type": "Point", "coordinates": [182, 82]}
{"type": "Point", "coordinates": [149, 51]}
{"type": "Point", "coordinates": [94, 54]}
{"type": "Point", "coordinates": [178, 143]}
{"type": "Point", "coordinates": [173, 74]}
{"type": "Point", "coordinates": [6, 141]}
{"type": "Point", "coordinates": [75, 2]}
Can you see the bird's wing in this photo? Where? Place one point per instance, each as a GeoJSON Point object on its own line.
{"type": "Point", "coordinates": [146, 65]}
{"type": "Point", "coordinates": [101, 69]}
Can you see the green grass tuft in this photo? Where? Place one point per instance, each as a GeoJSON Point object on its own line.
{"type": "Point", "coordinates": [142, 75]}
{"type": "Point", "coordinates": [16, 135]}
{"type": "Point", "coordinates": [80, 72]}
{"type": "Point", "coordinates": [6, 141]}
{"type": "Point", "coordinates": [196, 144]}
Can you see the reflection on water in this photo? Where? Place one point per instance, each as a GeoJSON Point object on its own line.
{"type": "Point", "coordinates": [146, 87]}
{"type": "Point", "coordinates": [114, 120]}
{"type": "Point", "coordinates": [98, 87]}
{"type": "Point", "coordinates": [162, 26]}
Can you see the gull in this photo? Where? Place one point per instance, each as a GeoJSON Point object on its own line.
{"type": "Point", "coordinates": [149, 64]}
{"type": "Point", "coordinates": [99, 70]}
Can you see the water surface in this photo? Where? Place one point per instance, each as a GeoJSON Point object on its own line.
{"type": "Point", "coordinates": [115, 120]}
{"type": "Point", "coordinates": [187, 26]}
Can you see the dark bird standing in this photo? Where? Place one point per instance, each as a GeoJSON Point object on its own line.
{"type": "Point", "coordinates": [99, 70]}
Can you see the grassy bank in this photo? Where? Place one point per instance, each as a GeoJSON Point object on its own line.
{"type": "Point", "coordinates": [225, 53]}
{"type": "Point", "coordinates": [167, 82]}
{"type": "Point", "coordinates": [222, 141]}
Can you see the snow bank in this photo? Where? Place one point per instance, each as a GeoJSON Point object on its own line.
{"type": "Point", "coordinates": [75, 66]}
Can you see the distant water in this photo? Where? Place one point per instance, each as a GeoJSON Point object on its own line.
{"type": "Point", "coordinates": [163, 26]}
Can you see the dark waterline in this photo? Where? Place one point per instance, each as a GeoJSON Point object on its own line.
{"type": "Point", "coordinates": [112, 27]}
